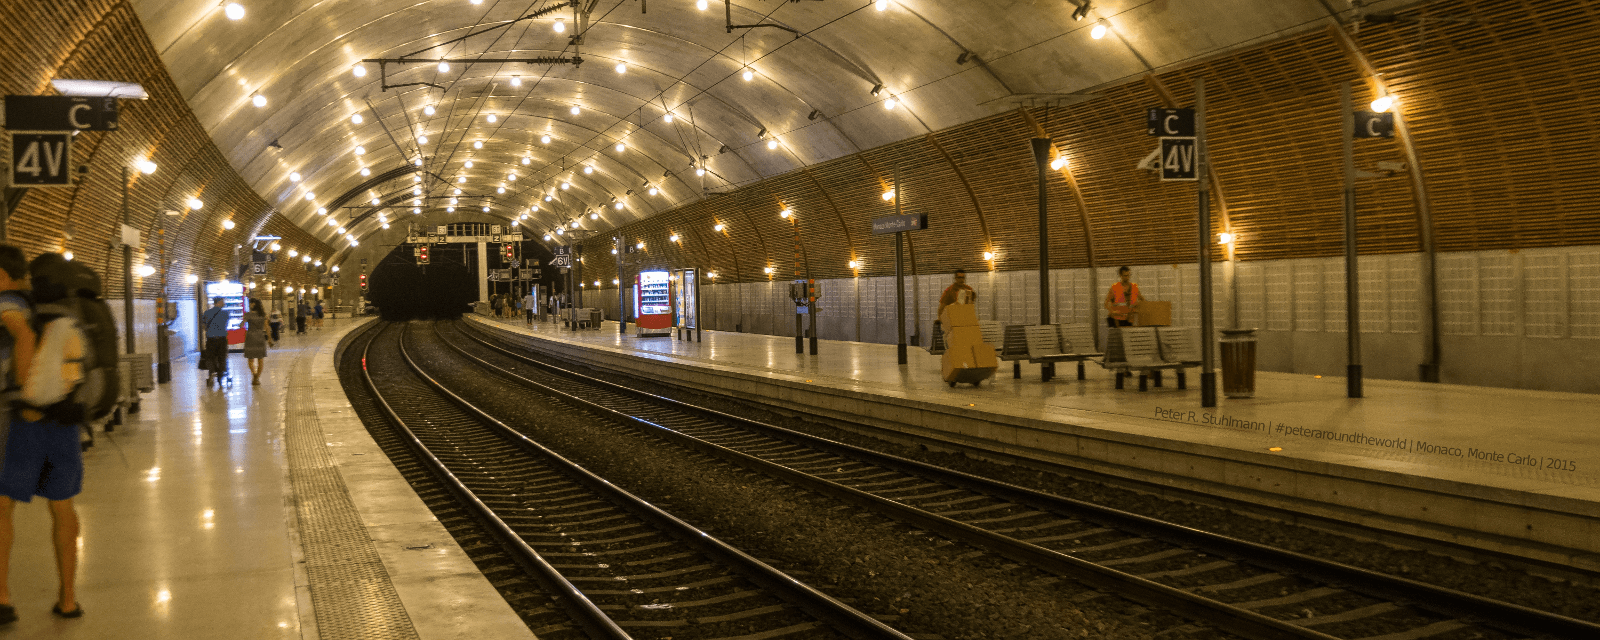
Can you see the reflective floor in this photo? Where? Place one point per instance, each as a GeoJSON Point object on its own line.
{"type": "Point", "coordinates": [1523, 441]}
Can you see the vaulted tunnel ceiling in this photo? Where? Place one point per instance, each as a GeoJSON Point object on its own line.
{"type": "Point", "coordinates": [945, 62]}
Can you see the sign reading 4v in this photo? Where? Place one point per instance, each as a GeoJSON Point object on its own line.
{"type": "Point", "coordinates": [41, 159]}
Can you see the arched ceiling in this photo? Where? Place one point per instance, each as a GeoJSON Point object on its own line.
{"type": "Point", "coordinates": [946, 62]}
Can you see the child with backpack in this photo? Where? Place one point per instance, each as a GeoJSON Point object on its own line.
{"type": "Point", "coordinates": [70, 383]}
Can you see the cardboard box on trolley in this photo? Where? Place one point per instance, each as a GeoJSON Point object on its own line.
{"type": "Point", "coordinates": [967, 358]}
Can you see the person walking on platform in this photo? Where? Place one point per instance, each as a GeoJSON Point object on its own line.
{"type": "Point", "coordinates": [530, 304]}
{"type": "Point", "coordinates": [1121, 299]}
{"type": "Point", "coordinates": [276, 322]}
{"type": "Point", "coordinates": [301, 312]}
{"type": "Point", "coordinates": [214, 359]}
{"type": "Point", "coordinates": [496, 304]}
{"type": "Point", "coordinates": [17, 341]}
{"type": "Point", "coordinates": [316, 314]}
{"type": "Point", "coordinates": [43, 455]}
{"type": "Point", "coordinates": [256, 340]}
{"type": "Point", "coordinates": [952, 293]}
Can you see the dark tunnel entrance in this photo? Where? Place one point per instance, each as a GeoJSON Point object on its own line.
{"type": "Point", "coordinates": [447, 286]}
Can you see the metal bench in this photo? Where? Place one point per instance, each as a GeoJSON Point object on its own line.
{"type": "Point", "coordinates": [1014, 347]}
{"type": "Point", "coordinates": [993, 333]}
{"type": "Point", "coordinates": [1077, 340]}
{"type": "Point", "coordinates": [1138, 349]}
{"type": "Point", "coordinates": [1044, 347]}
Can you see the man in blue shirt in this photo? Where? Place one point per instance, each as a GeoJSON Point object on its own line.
{"type": "Point", "coordinates": [214, 359]}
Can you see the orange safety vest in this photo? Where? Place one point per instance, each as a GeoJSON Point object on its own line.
{"type": "Point", "coordinates": [1120, 298]}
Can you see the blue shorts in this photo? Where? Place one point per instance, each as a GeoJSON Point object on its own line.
{"type": "Point", "coordinates": [42, 458]}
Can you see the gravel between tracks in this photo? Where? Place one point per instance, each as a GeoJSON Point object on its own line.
{"type": "Point", "coordinates": [1487, 579]}
{"type": "Point", "coordinates": [918, 582]}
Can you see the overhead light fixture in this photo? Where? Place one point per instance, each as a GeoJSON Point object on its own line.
{"type": "Point", "coordinates": [376, 202]}
{"type": "Point", "coordinates": [761, 134]}
{"type": "Point", "coordinates": [1099, 30]}
{"type": "Point", "coordinates": [275, 246]}
{"type": "Point", "coordinates": [444, 67]}
{"type": "Point", "coordinates": [360, 150]}
{"type": "Point", "coordinates": [365, 172]}
{"type": "Point", "coordinates": [772, 144]}
{"type": "Point", "coordinates": [882, 5]}
{"type": "Point", "coordinates": [594, 215]}
{"type": "Point", "coordinates": [516, 81]}
{"type": "Point", "coordinates": [719, 227]}
{"type": "Point", "coordinates": [768, 270]}
{"type": "Point", "coordinates": [417, 162]}
{"type": "Point", "coordinates": [561, 231]}
{"type": "Point", "coordinates": [500, 190]}
{"type": "Point", "coordinates": [544, 139]}
{"type": "Point", "coordinates": [258, 100]}
{"type": "Point", "coordinates": [322, 211]}
{"type": "Point", "coordinates": [566, 185]}
{"type": "Point", "coordinates": [653, 191]}
{"type": "Point", "coordinates": [1058, 163]}
{"type": "Point", "coordinates": [294, 176]}
{"type": "Point", "coordinates": [574, 110]}
{"type": "Point", "coordinates": [467, 164]}
{"type": "Point", "coordinates": [622, 67]}
{"type": "Point", "coordinates": [815, 113]}
{"type": "Point", "coordinates": [485, 209]}
{"type": "Point", "coordinates": [427, 110]}
{"type": "Point", "coordinates": [477, 144]}
{"type": "Point", "coordinates": [674, 237]}
{"type": "Point", "coordinates": [574, 224]}
{"type": "Point", "coordinates": [339, 231]}
{"type": "Point", "coordinates": [1081, 11]}
{"type": "Point", "coordinates": [988, 255]}
{"type": "Point", "coordinates": [422, 139]}
{"type": "Point", "coordinates": [456, 193]}
{"type": "Point", "coordinates": [890, 103]}
{"type": "Point", "coordinates": [617, 206]}
{"type": "Point", "coordinates": [560, 26]}
{"type": "Point", "coordinates": [493, 118]}
{"type": "Point", "coordinates": [547, 237]}
{"type": "Point", "coordinates": [699, 171]}
{"type": "Point", "coordinates": [785, 213]}
{"type": "Point", "coordinates": [1383, 104]}
{"type": "Point", "coordinates": [855, 264]}
{"type": "Point", "coordinates": [526, 161]}
{"type": "Point", "coordinates": [587, 170]}
{"type": "Point", "coordinates": [146, 167]}
{"type": "Point", "coordinates": [1225, 238]}
{"type": "Point", "coordinates": [234, 11]}
{"type": "Point", "coordinates": [416, 191]}
{"type": "Point", "coordinates": [547, 198]}
{"type": "Point", "coordinates": [195, 203]}
{"type": "Point", "coordinates": [461, 179]}
{"type": "Point", "coordinates": [386, 225]}
{"type": "Point", "coordinates": [355, 118]}
{"type": "Point", "coordinates": [888, 195]}
{"type": "Point", "coordinates": [748, 74]}
{"type": "Point", "coordinates": [227, 224]}
{"type": "Point", "coordinates": [639, 246]}
{"type": "Point", "coordinates": [700, 4]}
{"type": "Point", "coordinates": [620, 147]}
{"type": "Point", "coordinates": [359, 70]}
{"type": "Point", "coordinates": [311, 196]}
{"type": "Point", "coordinates": [667, 118]}
{"type": "Point", "coordinates": [332, 222]}
{"type": "Point", "coordinates": [449, 209]}
{"type": "Point", "coordinates": [511, 177]}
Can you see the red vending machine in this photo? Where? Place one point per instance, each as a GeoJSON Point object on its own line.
{"type": "Point", "coordinates": [652, 304]}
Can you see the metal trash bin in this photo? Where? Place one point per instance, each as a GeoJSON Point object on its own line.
{"type": "Point", "coordinates": [1239, 363]}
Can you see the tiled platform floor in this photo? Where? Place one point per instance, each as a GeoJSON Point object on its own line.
{"type": "Point", "coordinates": [189, 526]}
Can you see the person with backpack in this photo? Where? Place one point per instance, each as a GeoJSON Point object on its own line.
{"type": "Point", "coordinates": [214, 359]}
{"type": "Point", "coordinates": [17, 341]}
{"type": "Point", "coordinates": [71, 382]}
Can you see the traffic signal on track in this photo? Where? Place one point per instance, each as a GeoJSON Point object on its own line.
{"type": "Point", "coordinates": [422, 257]}
{"type": "Point", "coordinates": [363, 282]}
{"type": "Point", "coordinates": [511, 255]}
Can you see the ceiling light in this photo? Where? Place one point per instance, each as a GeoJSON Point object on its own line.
{"type": "Point", "coordinates": [700, 4]}
{"type": "Point", "coordinates": [654, 191]}
{"type": "Point", "coordinates": [767, 271]}
{"type": "Point", "coordinates": [427, 110]}
{"type": "Point", "coordinates": [667, 118]}
{"type": "Point", "coordinates": [560, 25]}
{"type": "Point", "coordinates": [785, 213]}
{"type": "Point", "coordinates": [1081, 11]}
{"type": "Point", "coordinates": [890, 104]}
{"type": "Point", "coordinates": [294, 176]}
{"type": "Point", "coordinates": [485, 209]}
{"type": "Point", "coordinates": [1059, 163]}
{"type": "Point", "coordinates": [500, 190]}
{"type": "Point", "coordinates": [191, 279]}
{"type": "Point", "coordinates": [719, 227]}
{"type": "Point", "coordinates": [376, 202]}
{"type": "Point", "coordinates": [352, 239]}
{"type": "Point", "coordinates": [511, 177]}
{"type": "Point", "coordinates": [588, 170]}
{"type": "Point", "coordinates": [259, 100]}
{"type": "Point", "coordinates": [195, 203]}
{"type": "Point", "coordinates": [574, 224]}
{"type": "Point", "coordinates": [234, 11]}
{"type": "Point", "coordinates": [355, 118]}
{"type": "Point", "coordinates": [365, 172]}
{"type": "Point", "coordinates": [449, 209]}
{"type": "Point", "coordinates": [622, 67]}
{"type": "Point", "coordinates": [514, 223]}
{"type": "Point", "coordinates": [613, 252]}
{"type": "Point", "coordinates": [227, 224]}
{"type": "Point", "coordinates": [322, 211]}
{"type": "Point", "coordinates": [882, 5]}
{"type": "Point", "coordinates": [988, 255]}
{"type": "Point", "coordinates": [674, 237]}
{"type": "Point", "coordinates": [617, 206]}
{"type": "Point", "coordinates": [1098, 32]}
{"type": "Point", "coordinates": [620, 147]}
{"type": "Point", "coordinates": [748, 74]}
{"type": "Point", "coordinates": [417, 162]}
{"type": "Point", "coordinates": [360, 150]}
{"type": "Point", "coordinates": [855, 264]}
{"type": "Point", "coordinates": [444, 67]}
{"type": "Point", "coordinates": [594, 215]}
{"type": "Point", "coordinates": [146, 271]}
{"type": "Point", "coordinates": [888, 195]}
{"type": "Point", "coordinates": [275, 246]}
{"type": "Point", "coordinates": [533, 208]}
{"type": "Point", "coordinates": [416, 210]}
{"type": "Point", "coordinates": [317, 262]}
{"type": "Point", "coordinates": [359, 70]}
{"type": "Point", "coordinates": [772, 144]}
{"type": "Point", "coordinates": [477, 144]}
{"type": "Point", "coordinates": [493, 118]}
{"type": "Point", "coordinates": [422, 139]}
{"type": "Point", "coordinates": [1382, 104]}
{"type": "Point", "coordinates": [566, 185]}
{"type": "Point", "coordinates": [311, 196]}
{"type": "Point", "coordinates": [386, 225]}
{"type": "Point", "coordinates": [455, 201]}
{"type": "Point", "coordinates": [340, 231]}
{"type": "Point", "coordinates": [147, 167]}
{"type": "Point", "coordinates": [457, 192]}
{"type": "Point", "coordinates": [639, 246]}
{"type": "Point", "coordinates": [547, 198]}
{"type": "Point", "coordinates": [416, 191]}
{"type": "Point", "coordinates": [416, 178]}
{"type": "Point", "coordinates": [293, 253]}
{"type": "Point", "coordinates": [699, 171]}
{"type": "Point", "coordinates": [560, 231]}
{"type": "Point", "coordinates": [467, 164]}
{"type": "Point", "coordinates": [544, 139]}
{"type": "Point", "coordinates": [516, 81]}
{"type": "Point", "coordinates": [526, 161]}
{"type": "Point", "coordinates": [1224, 238]}
{"type": "Point", "coordinates": [332, 222]}
{"type": "Point", "coordinates": [574, 110]}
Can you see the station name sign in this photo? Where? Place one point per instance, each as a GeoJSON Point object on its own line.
{"type": "Point", "coordinates": [896, 224]}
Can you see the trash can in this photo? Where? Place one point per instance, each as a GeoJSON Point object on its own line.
{"type": "Point", "coordinates": [1239, 363]}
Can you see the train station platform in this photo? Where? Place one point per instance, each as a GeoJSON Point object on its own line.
{"type": "Point", "coordinates": [1505, 470]}
{"type": "Point", "coordinates": [253, 512]}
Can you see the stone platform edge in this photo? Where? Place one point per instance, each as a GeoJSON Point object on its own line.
{"type": "Point", "coordinates": [442, 591]}
{"type": "Point", "coordinates": [1547, 528]}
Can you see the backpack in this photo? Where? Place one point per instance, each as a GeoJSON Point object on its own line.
{"type": "Point", "coordinates": [67, 302]}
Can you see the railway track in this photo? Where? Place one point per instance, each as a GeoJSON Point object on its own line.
{"type": "Point", "coordinates": [608, 561]}
{"type": "Point", "coordinates": [1245, 588]}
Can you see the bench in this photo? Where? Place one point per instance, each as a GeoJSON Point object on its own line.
{"type": "Point", "coordinates": [993, 333]}
{"type": "Point", "coordinates": [1013, 346]}
{"type": "Point", "coordinates": [1077, 340]}
{"type": "Point", "coordinates": [1138, 349]}
{"type": "Point", "coordinates": [1046, 345]}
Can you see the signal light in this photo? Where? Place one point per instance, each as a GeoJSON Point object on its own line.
{"type": "Point", "coordinates": [363, 282]}
{"type": "Point", "coordinates": [510, 252]}
{"type": "Point", "coordinates": [422, 258]}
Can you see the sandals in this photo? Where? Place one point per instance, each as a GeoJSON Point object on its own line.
{"type": "Point", "coordinates": [77, 611]}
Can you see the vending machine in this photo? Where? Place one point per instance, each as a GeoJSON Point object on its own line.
{"type": "Point", "coordinates": [234, 301]}
{"type": "Point", "coordinates": [652, 304]}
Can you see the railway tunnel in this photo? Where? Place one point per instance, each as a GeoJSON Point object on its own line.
{"type": "Point", "coordinates": [1244, 286]}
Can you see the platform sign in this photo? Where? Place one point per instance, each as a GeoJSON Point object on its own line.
{"type": "Point", "coordinates": [258, 268]}
{"type": "Point", "coordinates": [61, 113]}
{"type": "Point", "coordinates": [896, 224]}
{"type": "Point", "coordinates": [561, 261]}
{"type": "Point", "coordinates": [1169, 122]}
{"type": "Point", "coordinates": [41, 159]}
{"type": "Point", "coordinates": [1374, 125]}
{"type": "Point", "coordinates": [1178, 161]}
{"type": "Point", "coordinates": [441, 231]}
{"type": "Point", "coordinates": [494, 230]}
